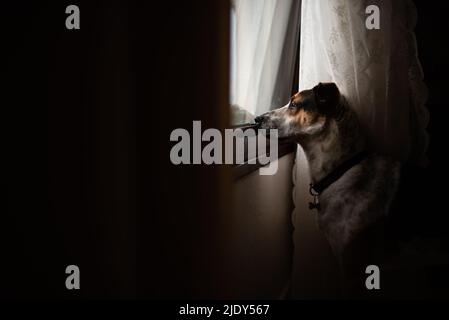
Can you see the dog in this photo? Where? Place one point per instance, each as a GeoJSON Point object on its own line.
{"type": "Point", "coordinates": [361, 191]}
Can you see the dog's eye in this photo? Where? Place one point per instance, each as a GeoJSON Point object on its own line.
{"type": "Point", "coordinates": [293, 105]}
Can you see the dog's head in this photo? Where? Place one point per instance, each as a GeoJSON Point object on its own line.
{"type": "Point", "coordinates": [305, 114]}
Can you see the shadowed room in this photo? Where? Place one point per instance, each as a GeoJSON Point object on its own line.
{"type": "Point", "coordinates": [90, 178]}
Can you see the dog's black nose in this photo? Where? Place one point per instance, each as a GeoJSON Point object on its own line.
{"type": "Point", "coordinates": [259, 119]}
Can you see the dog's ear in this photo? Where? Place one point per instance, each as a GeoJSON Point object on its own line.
{"type": "Point", "coordinates": [327, 97]}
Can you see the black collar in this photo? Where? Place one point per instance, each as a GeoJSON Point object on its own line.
{"type": "Point", "coordinates": [319, 187]}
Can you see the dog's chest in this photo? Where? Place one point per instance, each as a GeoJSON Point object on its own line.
{"type": "Point", "coordinates": [359, 198]}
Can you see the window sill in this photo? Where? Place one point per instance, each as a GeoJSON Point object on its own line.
{"type": "Point", "coordinates": [241, 170]}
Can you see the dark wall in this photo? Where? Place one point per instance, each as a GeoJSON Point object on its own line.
{"type": "Point", "coordinates": [426, 187]}
{"type": "Point", "coordinates": [87, 120]}
{"type": "Point", "coordinates": [422, 217]}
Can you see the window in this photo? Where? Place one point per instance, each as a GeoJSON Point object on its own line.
{"type": "Point", "coordinates": [264, 55]}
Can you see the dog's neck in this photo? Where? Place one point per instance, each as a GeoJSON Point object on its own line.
{"type": "Point", "coordinates": [340, 140]}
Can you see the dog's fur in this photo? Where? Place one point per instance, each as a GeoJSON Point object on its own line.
{"type": "Point", "coordinates": [328, 130]}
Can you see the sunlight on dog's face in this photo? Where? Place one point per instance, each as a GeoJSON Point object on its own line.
{"type": "Point", "coordinates": [305, 114]}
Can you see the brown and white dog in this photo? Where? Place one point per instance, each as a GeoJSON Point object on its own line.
{"type": "Point", "coordinates": [328, 130]}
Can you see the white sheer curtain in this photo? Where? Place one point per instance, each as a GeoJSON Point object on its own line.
{"type": "Point", "coordinates": [378, 70]}
{"type": "Point", "coordinates": [264, 42]}
{"type": "Point", "coordinates": [379, 73]}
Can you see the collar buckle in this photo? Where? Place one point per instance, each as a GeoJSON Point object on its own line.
{"type": "Point", "coordinates": [316, 203]}
{"type": "Point", "coordinates": [312, 191]}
